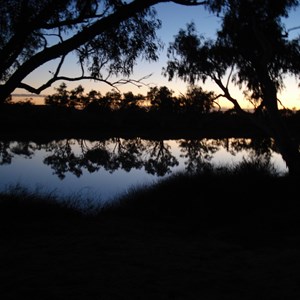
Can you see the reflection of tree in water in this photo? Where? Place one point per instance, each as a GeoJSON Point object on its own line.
{"type": "Point", "coordinates": [155, 156]}
{"type": "Point", "coordinates": [63, 159]}
{"type": "Point", "coordinates": [198, 153]}
{"type": "Point", "coordinates": [127, 154]}
{"type": "Point", "coordinates": [9, 149]}
{"type": "Point", "coordinates": [259, 149]}
{"type": "Point", "coordinates": [160, 159]}
{"type": "Point", "coordinates": [5, 155]}
{"type": "Point", "coordinates": [116, 153]}
{"type": "Point", "coordinates": [111, 154]}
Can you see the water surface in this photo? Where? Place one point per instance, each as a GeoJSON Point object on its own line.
{"type": "Point", "coordinates": [101, 170]}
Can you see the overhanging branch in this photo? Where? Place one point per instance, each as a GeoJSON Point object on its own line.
{"type": "Point", "coordinates": [138, 83]}
{"type": "Point", "coordinates": [74, 42]}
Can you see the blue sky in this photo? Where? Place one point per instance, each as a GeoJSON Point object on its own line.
{"type": "Point", "coordinates": [174, 17]}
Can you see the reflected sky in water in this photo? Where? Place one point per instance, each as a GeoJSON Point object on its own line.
{"type": "Point", "coordinates": [102, 185]}
{"type": "Point", "coordinates": [74, 169]}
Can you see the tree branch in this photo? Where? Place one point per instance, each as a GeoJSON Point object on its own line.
{"type": "Point", "coordinates": [72, 22]}
{"type": "Point", "coordinates": [75, 41]}
{"type": "Point", "coordinates": [217, 97]}
{"type": "Point", "coordinates": [80, 38]}
{"type": "Point", "coordinates": [190, 2]}
{"type": "Point", "coordinates": [229, 76]}
{"type": "Point", "coordinates": [138, 83]}
{"type": "Point", "coordinates": [258, 122]}
{"type": "Point", "coordinates": [227, 95]}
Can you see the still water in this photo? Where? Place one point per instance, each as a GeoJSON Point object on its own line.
{"type": "Point", "coordinates": [103, 169]}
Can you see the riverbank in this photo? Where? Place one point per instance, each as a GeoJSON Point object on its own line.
{"type": "Point", "coordinates": [36, 122]}
{"type": "Point", "coordinates": [207, 236]}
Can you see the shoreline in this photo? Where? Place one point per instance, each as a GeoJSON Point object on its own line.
{"type": "Point", "coordinates": [42, 122]}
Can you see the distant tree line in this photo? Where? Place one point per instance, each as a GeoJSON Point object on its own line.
{"type": "Point", "coordinates": [157, 99]}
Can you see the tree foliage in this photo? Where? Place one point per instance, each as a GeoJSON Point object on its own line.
{"type": "Point", "coordinates": [250, 47]}
{"type": "Point", "coordinates": [251, 50]}
{"type": "Point", "coordinates": [198, 100]}
{"type": "Point", "coordinates": [107, 37]}
{"type": "Point", "coordinates": [159, 98]}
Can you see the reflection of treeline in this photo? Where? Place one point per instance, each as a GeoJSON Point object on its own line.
{"type": "Point", "coordinates": [157, 98]}
{"type": "Point", "coordinates": [156, 157]}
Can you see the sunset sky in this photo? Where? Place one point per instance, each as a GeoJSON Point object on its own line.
{"type": "Point", "coordinates": [173, 18]}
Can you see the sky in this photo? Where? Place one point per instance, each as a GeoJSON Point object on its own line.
{"type": "Point", "coordinates": [173, 17]}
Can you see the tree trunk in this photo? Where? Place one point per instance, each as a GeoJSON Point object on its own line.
{"type": "Point", "coordinates": [286, 144]}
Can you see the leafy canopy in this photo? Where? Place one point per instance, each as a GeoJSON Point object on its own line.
{"type": "Point", "coordinates": [252, 45]}
{"type": "Point", "coordinates": [105, 35]}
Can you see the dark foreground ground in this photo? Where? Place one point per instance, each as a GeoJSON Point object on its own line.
{"type": "Point", "coordinates": [206, 237]}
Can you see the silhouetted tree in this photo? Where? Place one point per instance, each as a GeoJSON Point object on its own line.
{"type": "Point", "coordinates": [64, 98]}
{"type": "Point", "coordinates": [113, 99]}
{"type": "Point", "coordinates": [92, 97]}
{"type": "Point", "coordinates": [161, 98]}
{"type": "Point", "coordinates": [61, 98]}
{"type": "Point", "coordinates": [252, 50]}
{"type": "Point", "coordinates": [106, 35]}
{"type": "Point", "coordinates": [76, 97]}
{"type": "Point", "coordinates": [197, 100]}
{"type": "Point", "coordinates": [130, 100]}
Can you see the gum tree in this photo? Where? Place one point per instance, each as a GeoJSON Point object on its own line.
{"type": "Point", "coordinates": [107, 37]}
{"type": "Point", "coordinates": [252, 49]}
